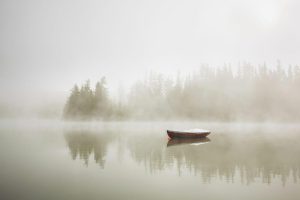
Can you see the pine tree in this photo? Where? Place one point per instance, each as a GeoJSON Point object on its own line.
{"type": "Point", "coordinates": [86, 102]}
{"type": "Point", "coordinates": [71, 106]}
{"type": "Point", "coordinates": [101, 99]}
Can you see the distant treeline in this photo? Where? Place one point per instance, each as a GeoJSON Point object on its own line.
{"type": "Point", "coordinates": [86, 103]}
{"type": "Point", "coordinates": [246, 93]}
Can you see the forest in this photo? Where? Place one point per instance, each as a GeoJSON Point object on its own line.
{"type": "Point", "coordinates": [246, 92]}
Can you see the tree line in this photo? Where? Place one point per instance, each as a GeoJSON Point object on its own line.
{"type": "Point", "coordinates": [246, 92]}
{"type": "Point", "coordinates": [84, 102]}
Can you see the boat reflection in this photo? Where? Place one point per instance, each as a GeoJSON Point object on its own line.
{"type": "Point", "coordinates": [185, 141]}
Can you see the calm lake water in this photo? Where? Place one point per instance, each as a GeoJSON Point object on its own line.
{"type": "Point", "coordinates": [134, 160]}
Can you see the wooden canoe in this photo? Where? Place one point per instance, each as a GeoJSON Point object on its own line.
{"type": "Point", "coordinates": [193, 133]}
{"type": "Point", "coordinates": [190, 141]}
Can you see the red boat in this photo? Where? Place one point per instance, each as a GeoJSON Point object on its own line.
{"type": "Point", "coordinates": [193, 133]}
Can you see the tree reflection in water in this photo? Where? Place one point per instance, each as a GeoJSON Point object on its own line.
{"type": "Point", "coordinates": [83, 143]}
{"type": "Point", "coordinates": [247, 158]}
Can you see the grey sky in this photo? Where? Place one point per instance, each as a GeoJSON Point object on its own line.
{"type": "Point", "coordinates": [47, 46]}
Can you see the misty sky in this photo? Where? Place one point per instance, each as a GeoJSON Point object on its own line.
{"type": "Point", "coordinates": [47, 46]}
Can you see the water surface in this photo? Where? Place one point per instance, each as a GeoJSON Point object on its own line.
{"type": "Point", "coordinates": [135, 160]}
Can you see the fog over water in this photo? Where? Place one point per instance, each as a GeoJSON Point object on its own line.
{"type": "Point", "coordinates": [46, 159]}
{"type": "Point", "coordinates": [48, 46]}
{"type": "Point", "coordinates": [89, 88]}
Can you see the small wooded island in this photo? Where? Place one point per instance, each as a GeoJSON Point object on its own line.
{"type": "Point", "coordinates": [223, 94]}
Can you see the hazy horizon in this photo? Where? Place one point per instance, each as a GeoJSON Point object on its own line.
{"type": "Point", "coordinates": [47, 46]}
{"type": "Point", "coordinates": [140, 99]}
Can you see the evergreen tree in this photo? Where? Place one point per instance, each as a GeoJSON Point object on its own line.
{"type": "Point", "coordinates": [71, 106]}
{"type": "Point", "coordinates": [102, 106]}
{"type": "Point", "coordinates": [86, 100]}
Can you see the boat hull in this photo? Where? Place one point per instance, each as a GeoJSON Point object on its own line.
{"type": "Point", "coordinates": [177, 134]}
